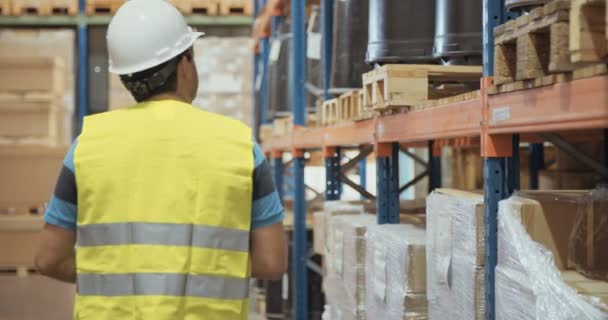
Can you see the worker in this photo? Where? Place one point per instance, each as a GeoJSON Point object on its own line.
{"type": "Point", "coordinates": [162, 211]}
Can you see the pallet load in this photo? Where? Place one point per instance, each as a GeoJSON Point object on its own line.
{"type": "Point", "coordinates": [534, 276]}
{"type": "Point", "coordinates": [396, 272]}
{"type": "Point", "coordinates": [555, 43]}
{"type": "Point", "coordinates": [44, 7]}
{"type": "Point", "coordinates": [31, 106]}
{"type": "Point", "coordinates": [345, 283]}
{"type": "Point", "coordinates": [236, 7]}
{"type": "Point", "coordinates": [455, 255]}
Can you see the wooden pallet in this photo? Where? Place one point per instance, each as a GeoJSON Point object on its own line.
{"type": "Point", "coordinates": [578, 73]}
{"type": "Point", "coordinates": [533, 45]}
{"type": "Point", "coordinates": [588, 31]}
{"type": "Point", "coordinates": [197, 7]}
{"type": "Point", "coordinates": [447, 101]}
{"type": "Point", "coordinates": [5, 7]}
{"type": "Point", "coordinates": [402, 85]}
{"type": "Point", "coordinates": [103, 7]}
{"type": "Point", "coordinates": [352, 107]}
{"type": "Point", "coordinates": [331, 112]}
{"type": "Point", "coordinates": [236, 7]}
{"type": "Point", "coordinates": [44, 7]}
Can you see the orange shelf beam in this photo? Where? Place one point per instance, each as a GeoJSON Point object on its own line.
{"type": "Point", "coordinates": [575, 105]}
{"type": "Point", "coordinates": [308, 138]}
{"type": "Point", "coordinates": [356, 133]}
{"type": "Point", "coordinates": [457, 120]}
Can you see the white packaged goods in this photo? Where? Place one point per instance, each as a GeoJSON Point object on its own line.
{"type": "Point", "coordinates": [345, 282]}
{"type": "Point", "coordinates": [455, 255]}
{"type": "Point", "coordinates": [396, 272]}
{"type": "Point", "coordinates": [529, 284]}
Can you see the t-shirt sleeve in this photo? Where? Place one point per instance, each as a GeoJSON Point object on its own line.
{"type": "Point", "coordinates": [267, 208]}
{"type": "Point", "coordinates": [62, 207]}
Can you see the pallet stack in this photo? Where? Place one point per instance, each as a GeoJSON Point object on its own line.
{"type": "Point", "coordinates": [187, 7]}
{"type": "Point", "coordinates": [103, 7]}
{"type": "Point", "coordinates": [561, 41]}
{"type": "Point", "coordinates": [44, 7]}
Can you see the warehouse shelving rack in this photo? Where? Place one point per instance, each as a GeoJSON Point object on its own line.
{"type": "Point", "coordinates": [497, 120]}
{"type": "Point", "coordinates": [81, 22]}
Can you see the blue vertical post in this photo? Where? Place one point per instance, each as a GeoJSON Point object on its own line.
{"type": "Point", "coordinates": [298, 89]}
{"type": "Point", "coordinates": [332, 174]}
{"type": "Point", "coordinates": [327, 14]}
{"type": "Point", "coordinates": [435, 167]}
{"type": "Point", "coordinates": [494, 14]}
{"type": "Point", "coordinates": [363, 175]}
{"type": "Point", "coordinates": [83, 69]}
{"type": "Point", "coordinates": [279, 170]}
{"type": "Point", "coordinates": [536, 160]}
{"type": "Point", "coordinates": [387, 184]}
{"type": "Point", "coordinates": [513, 168]}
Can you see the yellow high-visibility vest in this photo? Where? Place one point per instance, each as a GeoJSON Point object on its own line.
{"type": "Point", "coordinates": [164, 214]}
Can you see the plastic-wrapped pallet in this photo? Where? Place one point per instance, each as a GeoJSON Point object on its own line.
{"type": "Point", "coordinates": [345, 282]}
{"type": "Point", "coordinates": [455, 255]}
{"type": "Point", "coordinates": [529, 285]}
{"type": "Point", "coordinates": [396, 272]}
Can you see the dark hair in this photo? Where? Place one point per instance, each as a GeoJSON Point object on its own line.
{"type": "Point", "coordinates": [141, 85]}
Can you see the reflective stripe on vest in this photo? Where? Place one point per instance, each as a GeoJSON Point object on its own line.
{"type": "Point", "coordinates": [107, 234]}
{"type": "Point", "coordinates": [164, 214]}
{"type": "Point", "coordinates": [150, 284]}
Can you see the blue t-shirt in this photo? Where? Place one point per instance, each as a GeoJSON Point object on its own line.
{"type": "Point", "coordinates": [266, 209]}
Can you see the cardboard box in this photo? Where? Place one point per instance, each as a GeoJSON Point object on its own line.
{"type": "Point", "coordinates": [23, 74]}
{"type": "Point", "coordinates": [35, 297]}
{"type": "Point", "coordinates": [31, 117]}
{"type": "Point", "coordinates": [19, 240]}
{"type": "Point", "coordinates": [549, 218]}
{"type": "Point", "coordinates": [587, 287]}
{"type": "Point", "coordinates": [566, 180]}
{"type": "Point", "coordinates": [318, 232]}
{"type": "Point", "coordinates": [395, 271]}
{"type": "Point", "coordinates": [28, 174]}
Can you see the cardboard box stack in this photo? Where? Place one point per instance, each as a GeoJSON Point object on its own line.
{"type": "Point", "coordinates": [533, 277]}
{"type": "Point", "coordinates": [345, 284]}
{"type": "Point", "coordinates": [36, 86]}
{"type": "Point", "coordinates": [455, 252]}
{"type": "Point", "coordinates": [396, 272]}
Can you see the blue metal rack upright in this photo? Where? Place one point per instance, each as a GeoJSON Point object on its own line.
{"type": "Point", "coordinates": [298, 90]}
{"type": "Point", "coordinates": [83, 67]}
{"type": "Point", "coordinates": [497, 180]}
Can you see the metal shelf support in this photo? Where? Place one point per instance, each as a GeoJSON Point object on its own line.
{"type": "Point", "coordinates": [83, 68]}
{"type": "Point", "coordinates": [536, 159]}
{"type": "Point", "coordinates": [387, 182]}
{"type": "Point", "coordinates": [332, 173]}
{"type": "Point", "coordinates": [327, 17]}
{"type": "Point", "coordinates": [298, 91]}
{"type": "Point", "coordinates": [434, 166]}
{"type": "Point", "coordinates": [513, 168]}
{"type": "Point", "coordinates": [279, 168]}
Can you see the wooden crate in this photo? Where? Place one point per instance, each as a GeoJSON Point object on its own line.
{"type": "Point", "coordinates": [283, 126]}
{"type": "Point", "coordinates": [533, 45]}
{"type": "Point", "coordinates": [103, 7]}
{"type": "Point", "coordinates": [330, 111]}
{"type": "Point", "coordinates": [5, 7]}
{"type": "Point", "coordinates": [402, 85]}
{"type": "Point", "coordinates": [32, 74]}
{"type": "Point", "coordinates": [588, 21]}
{"type": "Point", "coordinates": [37, 116]}
{"type": "Point", "coordinates": [236, 7]}
{"type": "Point", "coordinates": [44, 7]}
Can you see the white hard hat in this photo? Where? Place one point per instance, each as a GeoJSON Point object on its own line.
{"type": "Point", "coordinates": [146, 33]}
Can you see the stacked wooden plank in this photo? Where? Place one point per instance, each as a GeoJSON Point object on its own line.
{"type": "Point", "coordinates": [43, 7]}
{"type": "Point", "coordinates": [236, 7]}
{"type": "Point", "coordinates": [31, 93]}
{"type": "Point", "coordinates": [560, 41]}
{"type": "Point", "coordinates": [398, 86]}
